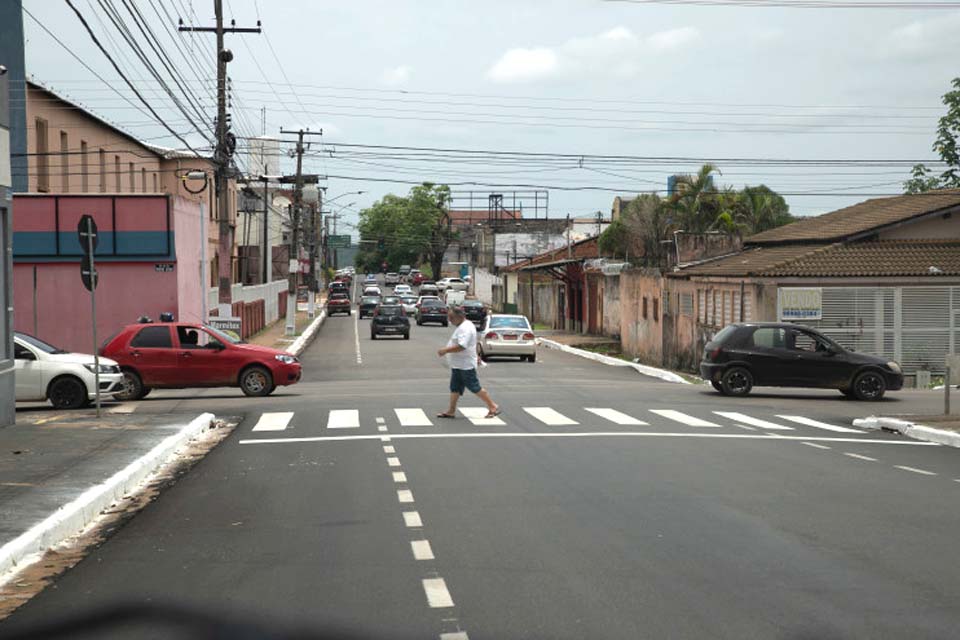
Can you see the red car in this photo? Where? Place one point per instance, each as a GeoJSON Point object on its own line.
{"type": "Point", "coordinates": [338, 303]}
{"type": "Point", "coordinates": [417, 278]}
{"type": "Point", "coordinates": [176, 355]}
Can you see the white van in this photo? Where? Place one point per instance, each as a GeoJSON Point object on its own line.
{"type": "Point", "coordinates": [453, 297]}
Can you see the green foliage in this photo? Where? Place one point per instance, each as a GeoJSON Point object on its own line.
{"type": "Point", "coordinates": [948, 130]}
{"type": "Point", "coordinates": [614, 241]}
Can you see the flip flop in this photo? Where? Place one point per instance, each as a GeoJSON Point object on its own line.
{"type": "Point", "coordinates": [446, 415]}
{"type": "Point", "coordinates": [492, 414]}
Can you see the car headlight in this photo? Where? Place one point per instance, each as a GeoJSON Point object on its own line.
{"type": "Point", "coordinates": [104, 368]}
{"type": "Point", "coordinates": [285, 359]}
{"type": "Point", "coordinates": [893, 366]}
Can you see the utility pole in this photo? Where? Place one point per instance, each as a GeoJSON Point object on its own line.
{"type": "Point", "coordinates": [599, 222]}
{"type": "Point", "coordinates": [222, 157]}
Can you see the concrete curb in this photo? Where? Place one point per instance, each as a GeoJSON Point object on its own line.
{"type": "Point", "coordinates": [653, 372]}
{"type": "Point", "coordinates": [307, 336]}
{"type": "Point", "coordinates": [73, 517]}
{"type": "Point", "coordinates": [910, 429]}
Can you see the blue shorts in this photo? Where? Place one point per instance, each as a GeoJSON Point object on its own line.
{"type": "Point", "coordinates": [461, 379]}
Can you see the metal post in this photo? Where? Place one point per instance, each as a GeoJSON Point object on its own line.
{"type": "Point", "coordinates": [36, 312]}
{"type": "Point", "coordinates": [266, 233]}
{"type": "Point", "coordinates": [531, 298]}
{"type": "Point", "coordinates": [93, 306]}
{"type": "Point", "coordinates": [946, 392]}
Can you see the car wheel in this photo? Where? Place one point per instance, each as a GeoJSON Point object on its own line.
{"type": "Point", "coordinates": [67, 392]}
{"type": "Point", "coordinates": [373, 336]}
{"type": "Point", "coordinates": [716, 385]}
{"type": "Point", "coordinates": [256, 381]}
{"type": "Point", "coordinates": [406, 336]}
{"type": "Point", "coordinates": [445, 323]}
{"type": "Point", "coordinates": [869, 385]}
{"type": "Point", "coordinates": [736, 381]}
{"type": "Point", "coordinates": [131, 387]}
{"type": "Point", "coordinates": [532, 358]}
{"type": "Point", "coordinates": [419, 324]}
{"type": "Point", "coordinates": [847, 391]}
{"type": "Point", "coordinates": [146, 392]}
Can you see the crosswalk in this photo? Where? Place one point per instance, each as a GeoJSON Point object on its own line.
{"type": "Point", "coordinates": [586, 417]}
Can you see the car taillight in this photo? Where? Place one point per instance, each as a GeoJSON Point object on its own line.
{"type": "Point", "coordinates": [491, 335]}
{"type": "Point", "coordinates": [528, 336]}
{"type": "Point", "coordinates": [716, 353]}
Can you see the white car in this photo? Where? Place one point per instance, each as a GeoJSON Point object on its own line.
{"type": "Point", "coordinates": [392, 277]}
{"type": "Point", "coordinates": [402, 290]}
{"type": "Point", "coordinates": [451, 283]}
{"type": "Point", "coordinates": [507, 335]}
{"type": "Point", "coordinates": [409, 304]}
{"type": "Point", "coordinates": [67, 380]}
{"type": "Point", "coordinates": [372, 291]}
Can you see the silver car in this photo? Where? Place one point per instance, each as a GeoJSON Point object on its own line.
{"type": "Point", "coordinates": [409, 304]}
{"type": "Point", "coordinates": [507, 335]}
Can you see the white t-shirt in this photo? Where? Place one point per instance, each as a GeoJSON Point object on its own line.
{"type": "Point", "coordinates": [464, 335]}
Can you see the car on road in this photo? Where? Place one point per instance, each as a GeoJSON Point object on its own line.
{"type": "Point", "coordinates": [338, 303]}
{"type": "Point", "coordinates": [338, 286]}
{"type": "Point", "coordinates": [68, 380]}
{"type": "Point", "coordinates": [454, 298]}
{"type": "Point", "coordinates": [422, 299]}
{"type": "Point", "coordinates": [402, 289]}
{"type": "Point", "coordinates": [392, 277]}
{"type": "Point", "coordinates": [390, 300]}
{"type": "Point", "coordinates": [370, 277]}
{"type": "Point", "coordinates": [390, 320]}
{"type": "Point", "coordinates": [404, 270]}
{"type": "Point", "coordinates": [431, 310]}
{"type": "Point", "coordinates": [750, 354]}
{"type": "Point", "coordinates": [409, 304]}
{"type": "Point", "coordinates": [416, 277]}
{"type": "Point", "coordinates": [507, 335]}
{"type": "Point", "coordinates": [451, 283]}
{"type": "Point", "coordinates": [176, 355]}
{"type": "Point", "coordinates": [372, 291]}
{"type": "Point", "coordinates": [368, 304]}
{"type": "Point", "coordinates": [476, 312]}
{"type": "Point", "coordinates": [429, 288]}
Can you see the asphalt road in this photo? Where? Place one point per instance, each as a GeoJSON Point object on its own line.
{"type": "Point", "coordinates": [554, 524]}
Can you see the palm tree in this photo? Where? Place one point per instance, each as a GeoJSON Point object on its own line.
{"type": "Point", "coordinates": [760, 209]}
{"type": "Point", "coordinates": [694, 201]}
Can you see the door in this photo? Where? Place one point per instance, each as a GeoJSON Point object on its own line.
{"type": "Point", "coordinates": [768, 356]}
{"type": "Point", "coordinates": [152, 353]}
{"type": "Point", "coordinates": [202, 359]}
{"type": "Point", "coordinates": [28, 374]}
{"type": "Point", "coordinates": [815, 362]}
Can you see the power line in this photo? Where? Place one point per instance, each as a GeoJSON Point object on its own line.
{"type": "Point", "coordinates": [804, 4]}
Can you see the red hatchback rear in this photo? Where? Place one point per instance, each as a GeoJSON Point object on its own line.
{"type": "Point", "coordinates": [177, 355]}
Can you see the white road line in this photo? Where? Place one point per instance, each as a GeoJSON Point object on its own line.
{"type": "Point", "coordinates": [389, 449]}
{"type": "Point", "coordinates": [681, 417]}
{"type": "Point", "coordinates": [757, 422]}
{"type": "Point", "coordinates": [381, 420]}
{"type": "Point", "coordinates": [819, 425]}
{"type": "Point", "coordinates": [421, 550]}
{"type": "Point", "coordinates": [381, 428]}
{"type": "Point", "coordinates": [743, 426]}
{"type": "Point", "coordinates": [399, 477]}
{"type": "Point", "coordinates": [590, 434]}
{"type": "Point", "coordinates": [437, 595]}
{"type": "Point", "coordinates": [405, 496]}
{"type": "Point", "coordinates": [393, 462]}
{"type": "Point", "coordinates": [616, 417]}
{"type": "Point", "coordinates": [276, 421]}
{"type": "Point", "coordinates": [356, 335]}
{"type": "Point", "coordinates": [457, 635]}
{"type": "Point", "coordinates": [476, 416]}
{"type": "Point", "coordinates": [860, 457]}
{"type": "Point", "coordinates": [413, 418]}
{"type": "Point", "coordinates": [549, 416]}
{"type": "Point", "coordinates": [814, 444]}
{"type": "Point", "coordinates": [343, 419]}
{"type": "Point", "coordinates": [384, 438]}
{"type": "Point", "coordinates": [411, 519]}
{"type": "Point", "coordinates": [915, 470]}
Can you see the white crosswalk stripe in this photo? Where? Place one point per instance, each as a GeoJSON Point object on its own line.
{"type": "Point", "coordinates": [274, 421]}
{"type": "Point", "coordinates": [679, 416]}
{"type": "Point", "coordinates": [819, 425]}
{"type": "Point", "coordinates": [549, 416]}
{"type": "Point", "coordinates": [616, 417]}
{"type": "Point", "coordinates": [476, 416]}
{"type": "Point", "coordinates": [413, 418]}
{"type": "Point", "coordinates": [343, 419]}
{"type": "Point", "coordinates": [756, 422]}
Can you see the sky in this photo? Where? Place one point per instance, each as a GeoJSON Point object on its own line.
{"type": "Point", "coordinates": [669, 86]}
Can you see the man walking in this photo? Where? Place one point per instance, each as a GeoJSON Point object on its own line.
{"type": "Point", "coordinates": [461, 353]}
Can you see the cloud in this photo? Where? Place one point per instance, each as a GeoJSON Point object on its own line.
{"type": "Point", "coordinates": [923, 39]}
{"type": "Point", "coordinates": [524, 64]}
{"type": "Point", "coordinates": [617, 52]}
{"type": "Point", "coordinates": [396, 76]}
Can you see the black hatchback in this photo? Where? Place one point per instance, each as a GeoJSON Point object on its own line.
{"type": "Point", "coordinates": [389, 320]}
{"type": "Point", "coordinates": [789, 355]}
{"type": "Point", "coordinates": [476, 312]}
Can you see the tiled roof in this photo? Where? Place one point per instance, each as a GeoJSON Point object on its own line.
{"type": "Point", "coordinates": [859, 218]}
{"type": "Point", "coordinates": [863, 259]}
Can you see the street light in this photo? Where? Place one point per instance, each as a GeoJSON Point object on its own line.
{"type": "Point", "coordinates": [349, 193]}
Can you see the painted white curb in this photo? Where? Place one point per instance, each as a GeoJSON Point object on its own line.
{"type": "Point", "coordinates": [73, 517]}
{"type": "Point", "coordinates": [654, 372]}
{"type": "Point", "coordinates": [301, 342]}
{"type": "Point", "coordinates": [910, 429]}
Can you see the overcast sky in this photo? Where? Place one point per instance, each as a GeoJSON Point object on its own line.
{"type": "Point", "coordinates": [558, 76]}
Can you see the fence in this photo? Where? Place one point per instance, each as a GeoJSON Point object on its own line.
{"type": "Point", "coordinates": [257, 306]}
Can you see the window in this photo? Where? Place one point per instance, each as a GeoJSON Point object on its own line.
{"type": "Point", "coordinates": [84, 167]}
{"type": "Point", "coordinates": [686, 304]}
{"type": "Point", "coordinates": [503, 322]}
{"type": "Point", "coordinates": [20, 352]}
{"type": "Point", "coordinates": [143, 180]}
{"type": "Point", "coordinates": [116, 174]}
{"type": "Point", "coordinates": [133, 177]}
{"type": "Point", "coordinates": [43, 160]}
{"type": "Point", "coordinates": [153, 338]}
{"type": "Point", "coordinates": [64, 162]}
{"type": "Point", "coordinates": [155, 187]}
{"type": "Point", "coordinates": [193, 338]}
{"type": "Point", "coordinates": [666, 303]}
{"type": "Point", "coordinates": [103, 171]}
{"type": "Point", "coordinates": [656, 309]}
{"type": "Point", "coordinates": [769, 337]}
{"type": "Point", "coordinates": [644, 311]}
{"type": "Point", "coordinates": [701, 305]}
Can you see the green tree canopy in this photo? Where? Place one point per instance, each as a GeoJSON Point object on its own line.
{"type": "Point", "coordinates": [948, 130]}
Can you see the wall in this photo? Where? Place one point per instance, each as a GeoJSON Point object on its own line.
{"type": "Point", "coordinates": [266, 292]}
{"type": "Point", "coordinates": [691, 247]}
{"type": "Point", "coordinates": [611, 306]}
{"type": "Point", "coordinates": [641, 336]}
{"type": "Point", "coordinates": [544, 301]}
{"type": "Point", "coordinates": [524, 245]}
{"type": "Point", "coordinates": [483, 282]}
{"type": "Point", "coordinates": [190, 286]}
{"type": "Point", "coordinates": [939, 227]}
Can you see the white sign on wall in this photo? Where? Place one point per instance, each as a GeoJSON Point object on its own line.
{"type": "Point", "coordinates": [801, 303]}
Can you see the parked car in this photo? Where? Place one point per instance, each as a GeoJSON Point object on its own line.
{"type": "Point", "coordinates": [431, 310]}
{"type": "Point", "coordinates": [476, 312]}
{"type": "Point", "coordinates": [338, 303]}
{"type": "Point", "coordinates": [368, 304]}
{"type": "Point", "coordinates": [451, 283]}
{"type": "Point", "coordinates": [390, 320]}
{"type": "Point", "coordinates": [789, 355]}
{"type": "Point", "coordinates": [177, 355]}
{"type": "Point", "coordinates": [507, 335]}
{"type": "Point", "coordinates": [428, 288]}
{"type": "Point", "coordinates": [402, 289]}
{"type": "Point", "coordinates": [44, 372]}
{"type": "Point", "coordinates": [409, 304]}
{"type": "Point", "coordinates": [392, 277]}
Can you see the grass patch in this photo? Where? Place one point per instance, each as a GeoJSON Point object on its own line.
{"type": "Point", "coordinates": [539, 326]}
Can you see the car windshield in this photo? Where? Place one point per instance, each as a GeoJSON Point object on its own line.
{"type": "Point", "coordinates": [390, 311]}
{"type": "Point", "coordinates": [408, 300]}
{"type": "Point", "coordinates": [39, 344]}
{"type": "Point", "coordinates": [338, 296]}
{"type": "Point", "coordinates": [369, 300]}
{"type": "Point", "coordinates": [508, 322]}
{"type": "Point", "coordinates": [223, 336]}
{"type": "Point", "coordinates": [473, 304]}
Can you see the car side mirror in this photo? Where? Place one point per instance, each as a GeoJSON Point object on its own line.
{"type": "Point", "coordinates": [26, 355]}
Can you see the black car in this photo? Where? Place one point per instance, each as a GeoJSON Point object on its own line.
{"type": "Point", "coordinates": [789, 355]}
{"type": "Point", "coordinates": [432, 311]}
{"type": "Point", "coordinates": [339, 287]}
{"type": "Point", "coordinates": [390, 320]}
{"type": "Point", "coordinates": [476, 312]}
{"type": "Point", "coordinates": [368, 304]}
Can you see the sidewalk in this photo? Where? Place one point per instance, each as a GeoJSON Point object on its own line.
{"type": "Point", "coordinates": [574, 339]}
{"type": "Point", "coordinates": [275, 335]}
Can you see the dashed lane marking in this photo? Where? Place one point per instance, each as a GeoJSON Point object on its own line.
{"type": "Point", "coordinates": [274, 421]}
{"type": "Point", "coordinates": [393, 462]}
{"type": "Point", "coordinates": [381, 429]}
{"type": "Point", "coordinates": [384, 438]}
{"type": "Point", "coordinates": [389, 449]}
{"type": "Point", "coordinates": [683, 418]}
{"type": "Point", "coordinates": [860, 457]}
{"type": "Point", "coordinates": [915, 470]}
{"type": "Point", "coordinates": [343, 419]}
{"type": "Point", "coordinates": [815, 445]}
{"type": "Point", "coordinates": [756, 422]}
{"type": "Point", "coordinates": [405, 496]}
{"type": "Point", "coordinates": [399, 477]}
{"type": "Point", "coordinates": [411, 519]}
{"type": "Point", "coordinates": [438, 597]}
{"type": "Point", "coordinates": [616, 417]}
{"type": "Point", "coordinates": [421, 550]}
{"type": "Point", "coordinates": [356, 336]}
{"type": "Point", "coordinates": [457, 635]}
{"type": "Point", "coordinates": [819, 425]}
{"type": "Point", "coordinates": [381, 420]}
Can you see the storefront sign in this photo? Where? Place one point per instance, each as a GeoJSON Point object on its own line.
{"type": "Point", "coordinates": [233, 325]}
{"type": "Point", "coordinates": [801, 304]}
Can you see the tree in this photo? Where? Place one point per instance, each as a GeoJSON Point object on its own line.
{"type": "Point", "coordinates": [760, 208]}
{"type": "Point", "coordinates": [948, 130]}
{"type": "Point", "coordinates": [614, 240]}
{"type": "Point", "coordinates": [695, 202]}
{"type": "Point", "coordinates": [429, 204]}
